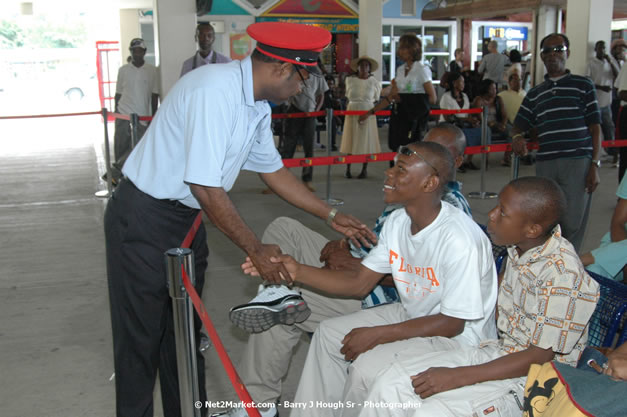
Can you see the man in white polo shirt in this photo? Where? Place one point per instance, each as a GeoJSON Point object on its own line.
{"type": "Point", "coordinates": [136, 91]}
{"type": "Point", "coordinates": [214, 122]}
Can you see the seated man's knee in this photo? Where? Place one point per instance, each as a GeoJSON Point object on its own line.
{"type": "Point", "coordinates": [278, 226]}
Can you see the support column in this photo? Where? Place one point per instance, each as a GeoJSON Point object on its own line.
{"type": "Point", "coordinates": [370, 31]}
{"type": "Point", "coordinates": [587, 21]}
{"type": "Point", "coordinates": [174, 25]}
{"type": "Point", "coordinates": [545, 23]}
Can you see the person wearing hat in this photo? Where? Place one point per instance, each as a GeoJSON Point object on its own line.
{"type": "Point", "coordinates": [136, 91]}
{"type": "Point", "coordinates": [362, 91]}
{"type": "Point", "coordinates": [205, 35]}
{"type": "Point", "coordinates": [188, 160]}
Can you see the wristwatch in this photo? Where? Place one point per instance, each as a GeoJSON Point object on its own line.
{"type": "Point", "coordinates": [596, 162]}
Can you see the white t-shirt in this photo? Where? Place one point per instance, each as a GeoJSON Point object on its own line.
{"type": "Point", "coordinates": [137, 85]}
{"type": "Point", "coordinates": [445, 268]}
{"type": "Point", "coordinates": [447, 102]}
{"type": "Point", "coordinates": [413, 82]}
{"type": "Point", "coordinates": [600, 72]}
{"type": "Point", "coordinates": [208, 128]}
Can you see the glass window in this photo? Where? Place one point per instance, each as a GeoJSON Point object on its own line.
{"type": "Point", "coordinates": [386, 30]}
{"type": "Point", "coordinates": [401, 30]}
{"type": "Point", "coordinates": [386, 44]}
{"type": "Point", "coordinates": [436, 39]}
{"type": "Point", "coordinates": [437, 64]}
{"type": "Point", "coordinates": [385, 68]}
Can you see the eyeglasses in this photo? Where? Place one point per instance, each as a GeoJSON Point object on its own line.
{"type": "Point", "coordinates": [407, 151]}
{"type": "Point", "coordinates": [297, 69]}
{"type": "Point", "coordinates": [558, 49]}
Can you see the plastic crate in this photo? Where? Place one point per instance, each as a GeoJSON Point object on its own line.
{"type": "Point", "coordinates": [607, 324]}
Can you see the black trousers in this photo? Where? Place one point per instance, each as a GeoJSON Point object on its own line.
{"type": "Point", "coordinates": [138, 231]}
{"type": "Point", "coordinates": [299, 128]}
{"type": "Point", "coordinates": [408, 120]}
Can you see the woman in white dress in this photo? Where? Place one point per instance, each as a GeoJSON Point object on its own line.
{"type": "Point", "coordinates": [362, 91]}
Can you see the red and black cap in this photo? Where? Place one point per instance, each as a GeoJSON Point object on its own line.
{"type": "Point", "coordinates": [291, 42]}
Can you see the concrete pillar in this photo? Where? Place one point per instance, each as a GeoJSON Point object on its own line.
{"type": "Point", "coordinates": [587, 21]}
{"type": "Point", "coordinates": [370, 31]}
{"type": "Point", "coordinates": [544, 22]}
{"type": "Point", "coordinates": [174, 20]}
{"type": "Point", "coordinates": [129, 29]}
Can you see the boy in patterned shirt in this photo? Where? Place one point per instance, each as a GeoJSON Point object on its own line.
{"type": "Point", "coordinates": [545, 302]}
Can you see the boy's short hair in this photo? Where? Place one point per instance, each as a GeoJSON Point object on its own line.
{"type": "Point", "coordinates": [544, 202]}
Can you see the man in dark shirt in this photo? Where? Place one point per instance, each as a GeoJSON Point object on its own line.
{"type": "Point", "coordinates": [565, 112]}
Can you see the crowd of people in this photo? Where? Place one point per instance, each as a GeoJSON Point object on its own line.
{"type": "Point", "coordinates": [410, 317]}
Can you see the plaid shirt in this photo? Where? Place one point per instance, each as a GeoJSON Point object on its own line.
{"type": "Point", "coordinates": [546, 299]}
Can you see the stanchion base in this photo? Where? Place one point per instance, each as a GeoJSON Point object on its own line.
{"type": "Point", "coordinates": [483, 195]}
{"type": "Point", "coordinates": [335, 201]}
{"type": "Point", "coordinates": [102, 194]}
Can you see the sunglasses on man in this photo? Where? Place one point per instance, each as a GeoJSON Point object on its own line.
{"type": "Point", "coordinates": [557, 49]}
{"type": "Point", "coordinates": [407, 151]}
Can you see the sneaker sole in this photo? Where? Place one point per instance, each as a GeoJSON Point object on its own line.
{"type": "Point", "coordinates": [259, 317]}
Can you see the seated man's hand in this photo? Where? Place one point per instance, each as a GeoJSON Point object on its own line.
{"type": "Point", "coordinates": [361, 340]}
{"type": "Point", "coordinates": [355, 230]}
{"type": "Point", "coordinates": [261, 260]}
{"type": "Point", "coordinates": [336, 255]}
{"type": "Point", "coordinates": [617, 365]}
{"type": "Point", "coordinates": [434, 380]}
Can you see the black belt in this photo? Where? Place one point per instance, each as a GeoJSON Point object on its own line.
{"type": "Point", "coordinates": [174, 203]}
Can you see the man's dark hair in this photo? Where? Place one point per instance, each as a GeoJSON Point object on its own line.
{"type": "Point", "coordinates": [544, 201]}
{"type": "Point", "coordinates": [440, 157]}
{"type": "Point", "coordinates": [203, 25]}
{"type": "Point", "coordinates": [596, 45]}
{"type": "Point", "coordinates": [458, 134]}
{"type": "Point", "coordinates": [514, 56]}
{"type": "Point", "coordinates": [566, 41]}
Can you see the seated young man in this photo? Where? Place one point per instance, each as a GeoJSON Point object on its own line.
{"type": "Point", "coordinates": [268, 353]}
{"type": "Point", "coordinates": [545, 302]}
{"type": "Point", "coordinates": [441, 263]}
{"type": "Point", "coordinates": [610, 258]}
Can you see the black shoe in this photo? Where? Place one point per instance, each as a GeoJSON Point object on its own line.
{"type": "Point", "coordinates": [362, 175]}
{"type": "Point", "coordinates": [348, 174]}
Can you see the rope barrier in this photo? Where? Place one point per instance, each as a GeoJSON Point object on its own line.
{"type": "Point", "coordinates": [231, 372]}
{"type": "Point", "coordinates": [38, 116]}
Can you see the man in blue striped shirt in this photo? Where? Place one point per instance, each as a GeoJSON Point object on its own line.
{"type": "Point", "coordinates": [565, 113]}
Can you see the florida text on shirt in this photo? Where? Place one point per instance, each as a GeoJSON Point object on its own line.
{"type": "Point", "coordinates": [415, 281]}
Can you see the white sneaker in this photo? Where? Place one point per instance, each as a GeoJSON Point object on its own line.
{"type": "Point", "coordinates": [241, 412]}
{"type": "Point", "coordinates": [274, 304]}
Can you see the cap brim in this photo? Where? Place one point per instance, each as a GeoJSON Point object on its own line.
{"type": "Point", "coordinates": [312, 69]}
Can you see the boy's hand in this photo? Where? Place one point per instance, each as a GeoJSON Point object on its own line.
{"type": "Point", "coordinates": [287, 272]}
{"type": "Point", "coordinates": [336, 255]}
{"type": "Point", "coordinates": [360, 340]}
{"type": "Point", "coordinates": [435, 380]}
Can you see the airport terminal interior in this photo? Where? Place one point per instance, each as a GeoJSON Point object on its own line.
{"type": "Point", "coordinates": [55, 336]}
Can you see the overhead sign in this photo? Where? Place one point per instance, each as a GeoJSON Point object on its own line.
{"type": "Point", "coordinates": [515, 33]}
{"type": "Point", "coordinates": [332, 25]}
{"type": "Point", "coordinates": [311, 8]}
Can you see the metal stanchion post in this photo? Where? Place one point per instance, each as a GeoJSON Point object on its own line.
{"type": "Point", "coordinates": [134, 122]}
{"type": "Point", "coordinates": [106, 193]}
{"type": "Point", "coordinates": [482, 194]}
{"type": "Point", "coordinates": [182, 307]}
{"type": "Point", "coordinates": [330, 201]}
{"type": "Point", "coordinates": [515, 166]}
